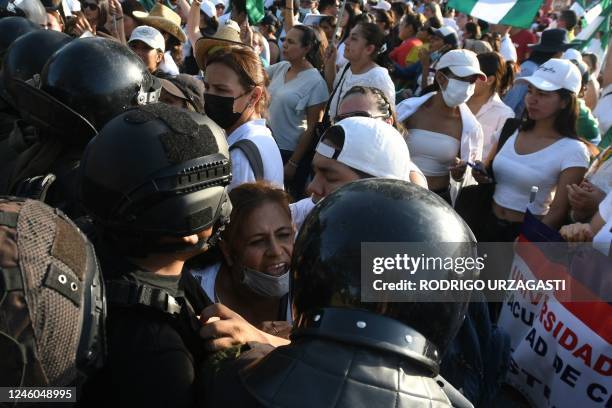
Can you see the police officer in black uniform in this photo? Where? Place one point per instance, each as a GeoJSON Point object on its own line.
{"type": "Point", "coordinates": [153, 182]}
{"type": "Point", "coordinates": [25, 58]}
{"type": "Point", "coordinates": [345, 352]}
{"type": "Point", "coordinates": [82, 86]}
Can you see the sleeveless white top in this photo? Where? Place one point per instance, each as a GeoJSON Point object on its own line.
{"type": "Point", "coordinates": [432, 152]}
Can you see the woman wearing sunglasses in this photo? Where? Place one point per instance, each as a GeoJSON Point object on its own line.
{"type": "Point", "coordinates": [442, 147]}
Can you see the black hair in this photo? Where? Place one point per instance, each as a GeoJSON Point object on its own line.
{"type": "Point", "coordinates": [472, 30]}
{"type": "Point", "coordinates": [350, 23]}
{"type": "Point", "coordinates": [211, 24]}
{"type": "Point", "coordinates": [413, 20]}
{"type": "Point", "coordinates": [239, 5]}
{"type": "Point", "coordinates": [323, 4]}
{"type": "Point", "coordinates": [493, 64]}
{"type": "Point", "coordinates": [565, 122]}
{"type": "Point", "coordinates": [311, 39]}
{"type": "Point", "coordinates": [383, 105]}
{"type": "Point", "coordinates": [385, 17]}
{"type": "Point", "coordinates": [399, 8]}
{"type": "Point", "coordinates": [570, 18]}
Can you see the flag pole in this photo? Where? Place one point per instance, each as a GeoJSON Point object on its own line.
{"type": "Point", "coordinates": [340, 15]}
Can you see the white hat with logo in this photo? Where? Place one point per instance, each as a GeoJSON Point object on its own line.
{"type": "Point", "coordinates": [150, 36]}
{"type": "Point", "coordinates": [555, 74]}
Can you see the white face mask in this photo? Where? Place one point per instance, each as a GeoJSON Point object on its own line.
{"type": "Point", "coordinates": [457, 92]}
{"type": "Point", "coordinates": [264, 284]}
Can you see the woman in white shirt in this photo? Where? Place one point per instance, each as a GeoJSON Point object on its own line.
{"type": "Point", "coordinates": [236, 98]}
{"type": "Point", "coordinates": [298, 95]}
{"type": "Point", "coordinates": [251, 275]}
{"type": "Point", "coordinates": [486, 103]}
{"type": "Point", "coordinates": [362, 48]}
{"type": "Point", "coordinates": [545, 152]}
{"type": "Point", "coordinates": [443, 146]}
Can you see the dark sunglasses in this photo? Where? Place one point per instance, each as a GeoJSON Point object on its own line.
{"type": "Point", "coordinates": [91, 6]}
{"type": "Point", "coordinates": [469, 79]}
{"type": "Point", "coordinates": [361, 114]}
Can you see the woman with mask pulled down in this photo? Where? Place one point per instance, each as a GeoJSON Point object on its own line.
{"type": "Point", "coordinates": [442, 148]}
{"type": "Point", "coordinates": [249, 281]}
{"type": "Point", "coordinates": [236, 98]}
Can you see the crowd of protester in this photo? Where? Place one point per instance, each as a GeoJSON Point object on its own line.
{"type": "Point", "coordinates": [310, 96]}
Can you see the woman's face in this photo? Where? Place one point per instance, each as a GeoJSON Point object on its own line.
{"type": "Point", "coordinates": [91, 11]}
{"type": "Point", "coordinates": [422, 34]}
{"type": "Point", "coordinates": [129, 24]}
{"type": "Point", "coordinates": [427, 12]}
{"type": "Point", "coordinates": [405, 30]}
{"type": "Point", "coordinates": [345, 19]}
{"type": "Point", "coordinates": [292, 47]}
{"type": "Point", "coordinates": [542, 104]}
{"type": "Point", "coordinates": [356, 45]}
{"type": "Point", "coordinates": [265, 240]}
{"type": "Point", "coordinates": [435, 43]}
{"type": "Point", "coordinates": [221, 80]}
{"type": "Point", "coordinates": [53, 22]}
{"type": "Point", "coordinates": [151, 57]}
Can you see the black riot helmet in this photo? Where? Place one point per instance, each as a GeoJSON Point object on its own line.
{"type": "Point", "coordinates": [27, 56]}
{"type": "Point", "coordinates": [33, 10]}
{"type": "Point", "coordinates": [156, 171]}
{"type": "Point", "coordinates": [326, 269]}
{"type": "Point", "coordinates": [11, 28]}
{"type": "Point", "coordinates": [98, 78]}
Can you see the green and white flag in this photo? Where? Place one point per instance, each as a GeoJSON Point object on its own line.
{"type": "Point", "coordinates": [516, 13]}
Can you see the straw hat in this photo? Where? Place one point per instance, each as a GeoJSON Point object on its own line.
{"type": "Point", "coordinates": [227, 34]}
{"type": "Point", "coordinates": [164, 19]}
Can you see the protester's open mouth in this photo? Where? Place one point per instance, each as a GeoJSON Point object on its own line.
{"type": "Point", "coordinates": [277, 269]}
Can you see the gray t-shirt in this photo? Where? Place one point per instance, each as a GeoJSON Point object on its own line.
{"type": "Point", "coordinates": [289, 101]}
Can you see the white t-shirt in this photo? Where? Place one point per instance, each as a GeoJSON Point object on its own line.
{"type": "Point", "coordinates": [507, 49]}
{"type": "Point", "coordinates": [492, 116]}
{"type": "Point", "coordinates": [515, 173]}
{"type": "Point", "coordinates": [290, 100]}
{"type": "Point", "coordinates": [602, 241]}
{"type": "Point", "coordinates": [258, 133]}
{"type": "Point", "coordinates": [377, 77]}
{"type": "Point", "coordinates": [300, 210]}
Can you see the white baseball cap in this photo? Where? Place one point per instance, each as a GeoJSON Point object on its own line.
{"type": "Point", "coordinates": [382, 5]}
{"type": "Point", "coordinates": [462, 63]}
{"type": "Point", "coordinates": [555, 74]}
{"type": "Point", "coordinates": [150, 36]}
{"type": "Point", "coordinates": [371, 146]}
{"type": "Point", "coordinates": [208, 8]}
{"type": "Point", "coordinates": [572, 54]}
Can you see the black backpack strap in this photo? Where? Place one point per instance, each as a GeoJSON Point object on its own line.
{"type": "Point", "coordinates": [326, 119]}
{"type": "Point", "coordinates": [126, 293]}
{"type": "Point", "coordinates": [252, 154]}
{"type": "Point", "coordinates": [510, 126]}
